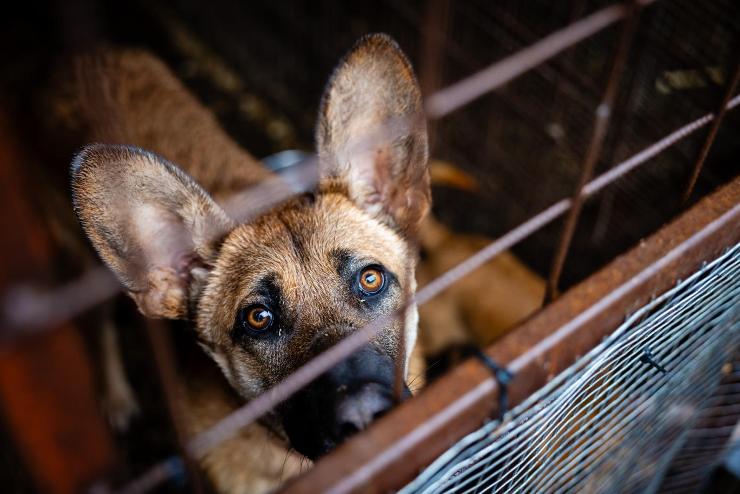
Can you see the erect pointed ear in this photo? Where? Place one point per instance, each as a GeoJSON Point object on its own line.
{"type": "Point", "coordinates": [372, 136]}
{"type": "Point", "coordinates": [151, 223]}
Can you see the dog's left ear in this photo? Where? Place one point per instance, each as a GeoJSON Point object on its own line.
{"type": "Point", "coordinates": [372, 136]}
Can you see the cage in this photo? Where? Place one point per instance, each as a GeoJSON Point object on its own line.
{"type": "Point", "coordinates": [595, 141]}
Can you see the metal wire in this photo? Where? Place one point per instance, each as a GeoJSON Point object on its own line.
{"type": "Point", "coordinates": [611, 423]}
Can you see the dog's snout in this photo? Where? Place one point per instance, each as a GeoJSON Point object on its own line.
{"type": "Point", "coordinates": [341, 402]}
{"type": "Point", "coordinates": [358, 410]}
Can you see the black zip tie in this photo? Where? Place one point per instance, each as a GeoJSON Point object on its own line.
{"type": "Point", "coordinates": [647, 357]}
{"type": "Point", "coordinates": [503, 377]}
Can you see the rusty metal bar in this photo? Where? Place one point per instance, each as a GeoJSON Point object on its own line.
{"type": "Point", "coordinates": [400, 444]}
{"type": "Point", "coordinates": [463, 92]}
{"type": "Point", "coordinates": [46, 383]}
{"type": "Point", "coordinates": [707, 146]}
{"type": "Point", "coordinates": [603, 114]}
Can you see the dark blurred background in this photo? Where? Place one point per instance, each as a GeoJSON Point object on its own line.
{"type": "Point", "coordinates": [261, 66]}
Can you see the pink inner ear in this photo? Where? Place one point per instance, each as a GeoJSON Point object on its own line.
{"type": "Point", "coordinates": [383, 173]}
{"type": "Point", "coordinates": [163, 238]}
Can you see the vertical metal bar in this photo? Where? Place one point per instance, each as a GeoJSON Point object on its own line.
{"type": "Point", "coordinates": [607, 199]}
{"type": "Point", "coordinates": [164, 360]}
{"type": "Point", "coordinates": [718, 117]}
{"type": "Point", "coordinates": [603, 113]}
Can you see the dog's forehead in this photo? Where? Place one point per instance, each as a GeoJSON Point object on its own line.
{"type": "Point", "coordinates": [310, 233]}
{"type": "Point", "coordinates": [296, 247]}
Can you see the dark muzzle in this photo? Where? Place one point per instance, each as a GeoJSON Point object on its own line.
{"type": "Point", "coordinates": [340, 403]}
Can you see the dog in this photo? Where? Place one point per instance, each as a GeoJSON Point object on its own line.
{"type": "Point", "coordinates": [267, 295]}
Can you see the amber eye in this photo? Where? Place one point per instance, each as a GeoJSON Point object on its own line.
{"type": "Point", "coordinates": [372, 280]}
{"type": "Point", "coordinates": [256, 318]}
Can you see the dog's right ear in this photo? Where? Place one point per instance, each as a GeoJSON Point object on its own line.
{"type": "Point", "coordinates": [153, 225]}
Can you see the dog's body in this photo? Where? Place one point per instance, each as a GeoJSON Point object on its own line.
{"type": "Point", "coordinates": [180, 256]}
{"type": "Point", "coordinates": [483, 305]}
{"type": "Point", "coordinates": [267, 295]}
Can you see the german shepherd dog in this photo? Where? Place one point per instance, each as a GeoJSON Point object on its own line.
{"type": "Point", "coordinates": [268, 294]}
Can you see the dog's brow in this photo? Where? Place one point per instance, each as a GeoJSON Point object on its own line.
{"type": "Point", "coordinates": [346, 261]}
{"type": "Point", "coordinates": [342, 258]}
{"type": "Point", "coordinates": [269, 288]}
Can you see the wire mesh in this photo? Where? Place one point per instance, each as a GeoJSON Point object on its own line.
{"type": "Point", "coordinates": [615, 420]}
{"type": "Point", "coordinates": [715, 426]}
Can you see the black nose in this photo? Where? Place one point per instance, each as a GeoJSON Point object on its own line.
{"type": "Point", "coordinates": [344, 400]}
{"type": "Point", "coordinates": [356, 411]}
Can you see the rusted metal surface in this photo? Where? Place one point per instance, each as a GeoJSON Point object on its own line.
{"type": "Point", "coordinates": [46, 384]}
{"type": "Point", "coordinates": [601, 125]}
{"type": "Point", "coordinates": [707, 146]}
{"type": "Point", "coordinates": [400, 444]}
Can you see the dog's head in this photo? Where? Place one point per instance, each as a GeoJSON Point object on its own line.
{"type": "Point", "coordinates": [269, 295]}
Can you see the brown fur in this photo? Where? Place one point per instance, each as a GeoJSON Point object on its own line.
{"type": "Point", "coordinates": [480, 307]}
{"type": "Point", "coordinates": [130, 97]}
{"type": "Point", "coordinates": [179, 255]}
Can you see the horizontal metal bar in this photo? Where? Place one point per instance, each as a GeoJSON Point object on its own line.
{"type": "Point", "coordinates": [463, 92]}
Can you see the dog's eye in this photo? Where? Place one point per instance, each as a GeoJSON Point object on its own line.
{"type": "Point", "coordinates": [372, 280]}
{"type": "Point", "coordinates": [255, 318]}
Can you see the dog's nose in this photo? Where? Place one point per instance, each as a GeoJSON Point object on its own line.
{"type": "Point", "coordinates": [356, 411]}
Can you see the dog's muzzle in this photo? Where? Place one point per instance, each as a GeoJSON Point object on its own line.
{"type": "Point", "coordinates": [340, 403]}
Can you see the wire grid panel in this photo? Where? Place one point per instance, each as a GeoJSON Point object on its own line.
{"type": "Point", "coordinates": [715, 428]}
{"type": "Point", "coordinates": [615, 419]}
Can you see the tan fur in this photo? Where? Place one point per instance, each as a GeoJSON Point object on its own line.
{"type": "Point", "coordinates": [254, 461]}
{"type": "Point", "coordinates": [480, 307]}
{"type": "Point", "coordinates": [165, 234]}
